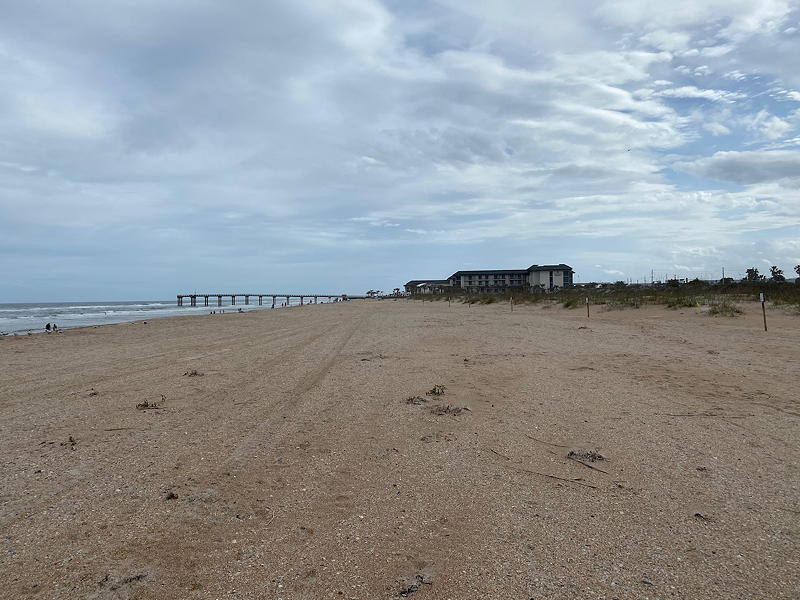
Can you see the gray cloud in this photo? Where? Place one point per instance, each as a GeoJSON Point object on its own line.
{"type": "Point", "coordinates": [749, 167]}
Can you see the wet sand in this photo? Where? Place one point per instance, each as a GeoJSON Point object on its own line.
{"type": "Point", "coordinates": [291, 466]}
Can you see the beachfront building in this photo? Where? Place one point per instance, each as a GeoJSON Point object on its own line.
{"type": "Point", "coordinates": [490, 281]}
{"type": "Point", "coordinates": [493, 281]}
{"type": "Point", "coordinates": [542, 277]}
{"type": "Point", "coordinates": [426, 286]}
{"type": "Point", "coordinates": [550, 277]}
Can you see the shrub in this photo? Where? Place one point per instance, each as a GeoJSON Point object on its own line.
{"type": "Point", "coordinates": [724, 308]}
{"type": "Point", "coordinates": [681, 302]}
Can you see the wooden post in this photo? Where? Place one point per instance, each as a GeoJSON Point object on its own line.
{"type": "Point", "coordinates": [763, 309]}
{"type": "Point", "coordinates": [511, 301]}
{"type": "Point", "coordinates": [587, 307]}
{"type": "Point", "coordinates": [219, 300]}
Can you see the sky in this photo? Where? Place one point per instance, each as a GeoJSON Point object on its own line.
{"type": "Point", "coordinates": [156, 147]}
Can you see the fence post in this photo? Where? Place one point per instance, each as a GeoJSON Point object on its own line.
{"type": "Point", "coordinates": [763, 309]}
{"type": "Point", "coordinates": [587, 307]}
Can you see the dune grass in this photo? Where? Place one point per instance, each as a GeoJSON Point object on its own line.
{"type": "Point", "coordinates": [721, 299]}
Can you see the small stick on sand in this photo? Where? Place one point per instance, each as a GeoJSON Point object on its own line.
{"type": "Point", "coordinates": [498, 454]}
{"type": "Point", "coordinates": [594, 487]}
{"type": "Point", "coordinates": [588, 466]}
{"type": "Point", "coordinates": [703, 415]}
{"type": "Point", "coordinates": [543, 442]}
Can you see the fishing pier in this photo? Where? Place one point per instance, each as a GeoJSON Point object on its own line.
{"type": "Point", "coordinates": [206, 298]}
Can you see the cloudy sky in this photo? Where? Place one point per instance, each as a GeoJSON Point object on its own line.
{"type": "Point", "coordinates": [152, 147]}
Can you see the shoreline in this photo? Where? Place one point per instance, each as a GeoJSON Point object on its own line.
{"type": "Point", "coordinates": [104, 320]}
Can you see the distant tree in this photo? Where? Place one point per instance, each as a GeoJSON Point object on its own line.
{"type": "Point", "coordinates": [726, 280]}
{"type": "Point", "coordinates": [673, 282]}
{"type": "Point", "coordinates": [619, 284]}
{"type": "Point", "coordinates": [776, 274]}
{"type": "Point", "coordinates": [753, 275]}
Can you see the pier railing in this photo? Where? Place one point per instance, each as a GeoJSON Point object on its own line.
{"type": "Point", "coordinates": [192, 298]}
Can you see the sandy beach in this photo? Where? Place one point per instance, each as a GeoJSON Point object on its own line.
{"type": "Point", "coordinates": [645, 453]}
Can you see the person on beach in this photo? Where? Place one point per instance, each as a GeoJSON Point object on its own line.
{"type": "Point", "coordinates": [47, 328]}
{"type": "Point", "coordinates": [55, 327]}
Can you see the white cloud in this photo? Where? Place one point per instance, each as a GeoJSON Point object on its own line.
{"type": "Point", "coordinates": [716, 128]}
{"type": "Point", "coordinates": [714, 51]}
{"type": "Point", "coordinates": [736, 75]}
{"type": "Point", "coordinates": [743, 17]}
{"type": "Point", "coordinates": [690, 91]}
{"type": "Point", "coordinates": [769, 126]}
{"type": "Point", "coordinates": [671, 41]}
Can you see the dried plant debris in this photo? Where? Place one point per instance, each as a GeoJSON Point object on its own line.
{"type": "Point", "coordinates": [70, 442]}
{"type": "Point", "coordinates": [437, 390]}
{"type": "Point", "coordinates": [93, 392]}
{"type": "Point", "coordinates": [416, 400]}
{"type": "Point", "coordinates": [193, 373]}
{"type": "Point", "coordinates": [585, 455]}
{"type": "Point", "coordinates": [122, 586]}
{"type": "Point", "coordinates": [410, 585]}
{"type": "Point", "coordinates": [442, 410]}
{"type": "Point", "coordinates": [147, 405]}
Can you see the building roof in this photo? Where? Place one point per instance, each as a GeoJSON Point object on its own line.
{"type": "Point", "coordinates": [558, 267]}
{"type": "Point", "coordinates": [416, 282]}
{"type": "Point", "coordinates": [489, 271]}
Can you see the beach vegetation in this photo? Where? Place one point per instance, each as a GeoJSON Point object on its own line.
{"type": "Point", "coordinates": [676, 302]}
{"type": "Point", "coordinates": [724, 308]}
{"type": "Point", "coordinates": [673, 294]}
{"type": "Point", "coordinates": [776, 274]}
{"type": "Point", "coordinates": [752, 274]}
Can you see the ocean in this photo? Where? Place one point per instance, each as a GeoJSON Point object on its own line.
{"type": "Point", "coordinates": [31, 317]}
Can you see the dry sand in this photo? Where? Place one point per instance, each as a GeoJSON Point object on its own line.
{"type": "Point", "coordinates": [294, 468]}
